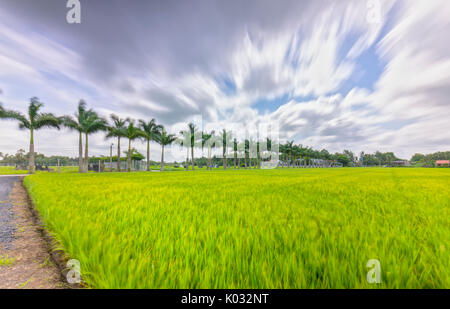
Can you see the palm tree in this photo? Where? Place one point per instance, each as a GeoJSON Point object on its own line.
{"type": "Point", "coordinates": [296, 155]}
{"type": "Point", "coordinates": [235, 148]}
{"type": "Point", "coordinates": [34, 122]}
{"type": "Point", "coordinates": [282, 151]}
{"type": "Point", "coordinates": [164, 139]}
{"type": "Point", "coordinates": [193, 135]}
{"type": "Point", "coordinates": [226, 139]}
{"type": "Point", "coordinates": [258, 155]}
{"type": "Point", "coordinates": [118, 129]}
{"type": "Point", "coordinates": [246, 151]}
{"type": "Point", "coordinates": [208, 139]}
{"type": "Point", "coordinates": [150, 130]}
{"type": "Point", "coordinates": [241, 151]}
{"type": "Point", "coordinates": [2, 111]}
{"type": "Point", "coordinates": [185, 140]}
{"type": "Point", "coordinates": [288, 149]}
{"type": "Point", "coordinates": [92, 123]}
{"type": "Point", "coordinates": [76, 124]}
{"type": "Point", "coordinates": [269, 147]}
{"type": "Point", "coordinates": [132, 132]}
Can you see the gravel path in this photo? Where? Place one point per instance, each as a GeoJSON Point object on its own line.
{"type": "Point", "coordinates": [24, 253]}
{"type": "Point", "coordinates": [7, 227]}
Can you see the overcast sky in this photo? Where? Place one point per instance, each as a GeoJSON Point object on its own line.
{"type": "Point", "coordinates": [327, 72]}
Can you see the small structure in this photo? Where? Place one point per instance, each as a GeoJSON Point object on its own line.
{"type": "Point", "coordinates": [95, 167]}
{"type": "Point", "coordinates": [269, 164]}
{"type": "Point", "coordinates": [442, 162]}
{"type": "Point", "coordinates": [400, 163]}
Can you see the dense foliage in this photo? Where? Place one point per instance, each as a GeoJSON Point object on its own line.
{"type": "Point", "coordinates": [429, 159]}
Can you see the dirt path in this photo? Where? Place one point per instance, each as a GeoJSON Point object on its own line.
{"type": "Point", "coordinates": [24, 258]}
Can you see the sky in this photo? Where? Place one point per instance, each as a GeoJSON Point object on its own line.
{"type": "Point", "coordinates": [359, 75]}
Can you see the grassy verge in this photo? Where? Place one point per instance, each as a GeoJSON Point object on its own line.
{"type": "Point", "coordinates": [10, 170]}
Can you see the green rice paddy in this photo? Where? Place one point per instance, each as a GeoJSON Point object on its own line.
{"type": "Point", "coordinates": [284, 228]}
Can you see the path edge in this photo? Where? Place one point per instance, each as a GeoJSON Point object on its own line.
{"type": "Point", "coordinates": [58, 256]}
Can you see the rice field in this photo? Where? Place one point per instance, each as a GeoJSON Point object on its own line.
{"type": "Point", "coordinates": [284, 228]}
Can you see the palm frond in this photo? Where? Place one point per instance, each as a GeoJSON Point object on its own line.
{"type": "Point", "coordinates": [33, 109]}
{"type": "Point", "coordinates": [46, 120]}
{"type": "Point", "coordinates": [69, 122]}
{"type": "Point", "coordinates": [118, 122]}
{"type": "Point", "coordinates": [93, 123]}
{"type": "Point", "coordinates": [151, 129]}
{"type": "Point", "coordinates": [165, 139]}
{"type": "Point", "coordinates": [10, 114]}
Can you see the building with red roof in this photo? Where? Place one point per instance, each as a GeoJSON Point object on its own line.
{"type": "Point", "coordinates": [442, 162]}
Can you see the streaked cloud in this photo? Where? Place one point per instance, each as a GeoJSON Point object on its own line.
{"type": "Point", "coordinates": [172, 60]}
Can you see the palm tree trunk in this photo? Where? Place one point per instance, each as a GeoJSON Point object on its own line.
{"type": "Point", "coordinates": [224, 158]}
{"type": "Point", "coordinates": [187, 158]}
{"type": "Point", "coordinates": [162, 158]}
{"type": "Point", "coordinates": [209, 157]}
{"type": "Point", "coordinates": [31, 168]}
{"type": "Point", "coordinates": [129, 156]}
{"type": "Point", "coordinates": [110, 159]}
{"type": "Point", "coordinates": [148, 155]}
{"type": "Point", "coordinates": [235, 156]}
{"type": "Point", "coordinates": [118, 154]}
{"type": "Point", "coordinates": [86, 156]}
{"type": "Point", "coordinates": [192, 157]}
{"type": "Point", "coordinates": [80, 154]}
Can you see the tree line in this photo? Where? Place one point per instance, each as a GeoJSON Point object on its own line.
{"type": "Point", "coordinates": [87, 122]}
{"type": "Point", "coordinates": [429, 160]}
{"type": "Point", "coordinates": [247, 153]}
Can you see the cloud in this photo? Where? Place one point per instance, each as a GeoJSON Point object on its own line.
{"type": "Point", "coordinates": [176, 61]}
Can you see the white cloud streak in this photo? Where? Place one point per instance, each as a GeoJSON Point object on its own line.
{"type": "Point", "coordinates": [312, 55]}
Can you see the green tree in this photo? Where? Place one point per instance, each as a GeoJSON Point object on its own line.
{"type": "Point", "coordinates": [324, 154]}
{"type": "Point", "coordinates": [118, 130]}
{"type": "Point", "coordinates": [33, 121]}
{"type": "Point", "coordinates": [77, 125]}
{"type": "Point", "coordinates": [185, 141]}
{"type": "Point", "coordinates": [208, 140]}
{"type": "Point", "coordinates": [164, 139]}
{"type": "Point", "coordinates": [246, 153]}
{"type": "Point", "coordinates": [270, 146]}
{"type": "Point", "coordinates": [151, 130]}
{"type": "Point", "coordinates": [91, 124]}
{"type": "Point", "coordinates": [289, 151]}
{"type": "Point", "coordinates": [135, 155]}
{"type": "Point", "coordinates": [344, 159]}
{"type": "Point", "coordinates": [194, 136]}
{"type": "Point", "coordinates": [235, 149]}
{"type": "Point", "coordinates": [226, 140]}
{"type": "Point", "coordinates": [418, 157]}
{"type": "Point", "coordinates": [132, 132]}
